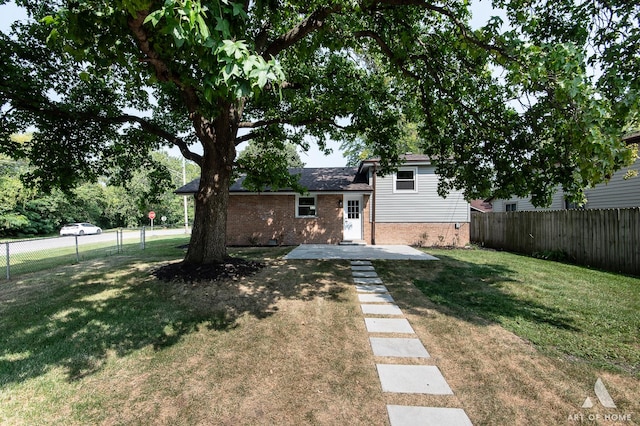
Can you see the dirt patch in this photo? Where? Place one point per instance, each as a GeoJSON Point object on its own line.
{"type": "Point", "coordinates": [232, 268]}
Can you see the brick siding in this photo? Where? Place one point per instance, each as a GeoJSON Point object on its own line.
{"type": "Point", "coordinates": [421, 234]}
{"type": "Point", "coordinates": [257, 219]}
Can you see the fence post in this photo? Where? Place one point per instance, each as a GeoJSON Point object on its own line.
{"type": "Point", "coordinates": [77, 252]}
{"type": "Point", "coordinates": [8, 259]}
{"type": "Point", "coordinates": [118, 239]}
{"type": "Point", "coordinates": [142, 238]}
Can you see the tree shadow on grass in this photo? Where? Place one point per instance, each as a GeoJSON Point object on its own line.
{"type": "Point", "coordinates": [482, 293]}
{"type": "Point", "coordinates": [77, 321]}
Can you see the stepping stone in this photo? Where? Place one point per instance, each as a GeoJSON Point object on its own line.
{"type": "Point", "coordinates": [401, 415]}
{"type": "Point", "coordinates": [423, 379]}
{"type": "Point", "coordinates": [360, 280]}
{"type": "Point", "coordinates": [360, 263]}
{"type": "Point", "coordinates": [388, 325]}
{"type": "Point", "coordinates": [362, 268]}
{"type": "Point", "coordinates": [375, 298]}
{"type": "Point", "coordinates": [375, 288]}
{"type": "Point", "coordinates": [381, 310]}
{"type": "Point", "coordinates": [364, 274]}
{"type": "Point", "coordinates": [396, 347]}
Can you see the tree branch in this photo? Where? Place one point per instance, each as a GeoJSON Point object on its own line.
{"type": "Point", "coordinates": [312, 23]}
{"type": "Point", "coordinates": [387, 51]}
{"type": "Point", "coordinates": [161, 69]}
{"type": "Point", "coordinates": [50, 109]}
{"type": "Point", "coordinates": [265, 123]}
{"type": "Point", "coordinates": [158, 131]}
{"type": "Point", "coordinates": [463, 28]}
{"type": "Point", "coordinates": [293, 122]}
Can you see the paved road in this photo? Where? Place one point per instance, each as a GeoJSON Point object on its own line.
{"type": "Point", "coordinates": [38, 244]}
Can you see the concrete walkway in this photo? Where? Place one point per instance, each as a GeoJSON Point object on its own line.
{"type": "Point", "coordinates": [391, 334]}
{"type": "Point", "coordinates": [384, 318]}
{"type": "Point", "coordinates": [331, 251]}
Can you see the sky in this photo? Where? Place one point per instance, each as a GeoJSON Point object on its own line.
{"type": "Point", "coordinates": [482, 11]}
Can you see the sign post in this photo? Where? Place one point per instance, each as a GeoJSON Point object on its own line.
{"type": "Point", "coordinates": [152, 215]}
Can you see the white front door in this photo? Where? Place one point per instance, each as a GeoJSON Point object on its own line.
{"type": "Point", "coordinates": [352, 217]}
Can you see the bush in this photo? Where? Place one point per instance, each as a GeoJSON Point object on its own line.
{"type": "Point", "coordinates": [554, 255]}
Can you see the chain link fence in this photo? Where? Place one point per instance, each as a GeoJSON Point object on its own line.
{"type": "Point", "coordinates": [32, 255]}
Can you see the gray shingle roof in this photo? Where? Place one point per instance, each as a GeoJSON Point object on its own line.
{"type": "Point", "coordinates": [331, 179]}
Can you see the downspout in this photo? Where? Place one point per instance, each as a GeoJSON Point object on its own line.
{"type": "Point", "coordinates": [373, 208]}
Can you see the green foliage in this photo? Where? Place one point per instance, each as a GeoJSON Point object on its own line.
{"type": "Point", "coordinates": [269, 166]}
{"type": "Point", "coordinates": [408, 141]}
{"type": "Point", "coordinates": [555, 255]}
{"type": "Point", "coordinates": [25, 211]}
{"type": "Point", "coordinates": [232, 70]}
{"type": "Point", "coordinates": [505, 110]}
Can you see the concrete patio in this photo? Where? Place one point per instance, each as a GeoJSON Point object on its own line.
{"type": "Point", "coordinates": [357, 252]}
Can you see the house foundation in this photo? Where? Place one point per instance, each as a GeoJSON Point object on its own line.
{"type": "Point", "coordinates": [421, 234]}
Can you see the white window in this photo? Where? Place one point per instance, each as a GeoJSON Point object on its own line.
{"type": "Point", "coordinates": [405, 180]}
{"type": "Point", "coordinates": [305, 206]}
{"type": "Point", "coordinates": [353, 209]}
{"type": "Point", "coordinates": [510, 207]}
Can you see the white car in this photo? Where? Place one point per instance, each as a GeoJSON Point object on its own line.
{"type": "Point", "coordinates": [80, 229]}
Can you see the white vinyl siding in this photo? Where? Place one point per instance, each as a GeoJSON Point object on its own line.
{"type": "Point", "coordinates": [421, 206]}
{"type": "Point", "coordinates": [617, 193]}
{"type": "Point", "coordinates": [524, 204]}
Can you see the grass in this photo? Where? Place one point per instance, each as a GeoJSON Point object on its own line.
{"type": "Point", "coordinates": [519, 340]}
{"type": "Point", "coordinates": [45, 259]}
{"type": "Point", "coordinates": [523, 340]}
{"type": "Point", "coordinates": [104, 342]}
{"type": "Point", "coordinates": [564, 310]}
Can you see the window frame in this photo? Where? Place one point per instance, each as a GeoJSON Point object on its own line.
{"type": "Point", "coordinates": [315, 205]}
{"type": "Point", "coordinates": [513, 209]}
{"type": "Point", "coordinates": [414, 170]}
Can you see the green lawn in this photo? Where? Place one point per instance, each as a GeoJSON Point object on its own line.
{"type": "Point", "coordinates": [46, 259]}
{"type": "Point", "coordinates": [565, 310]}
{"type": "Point", "coordinates": [104, 342]}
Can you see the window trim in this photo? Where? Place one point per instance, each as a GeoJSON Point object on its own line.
{"type": "Point", "coordinates": [415, 180]}
{"type": "Point", "coordinates": [297, 205]}
{"type": "Point", "coordinates": [514, 204]}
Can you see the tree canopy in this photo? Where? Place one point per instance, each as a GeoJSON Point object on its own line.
{"type": "Point", "coordinates": [516, 109]}
{"type": "Point", "coordinates": [268, 166]}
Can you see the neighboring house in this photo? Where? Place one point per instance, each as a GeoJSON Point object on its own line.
{"type": "Point", "coordinates": [619, 192]}
{"type": "Point", "coordinates": [349, 204]}
{"type": "Point", "coordinates": [481, 206]}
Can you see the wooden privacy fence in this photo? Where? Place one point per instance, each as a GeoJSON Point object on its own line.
{"type": "Point", "coordinates": [607, 239]}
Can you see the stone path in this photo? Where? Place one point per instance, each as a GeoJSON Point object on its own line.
{"type": "Point", "coordinates": [383, 316]}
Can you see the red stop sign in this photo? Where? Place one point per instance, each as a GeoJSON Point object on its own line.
{"type": "Point", "coordinates": [152, 215]}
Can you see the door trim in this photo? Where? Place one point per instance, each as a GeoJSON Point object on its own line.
{"type": "Point", "coordinates": [345, 216]}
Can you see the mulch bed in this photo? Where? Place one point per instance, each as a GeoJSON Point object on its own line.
{"type": "Point", "coordinates": [231, 269]}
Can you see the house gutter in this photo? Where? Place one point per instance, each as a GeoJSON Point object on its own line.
{"type": "Point", "coordinates": [373, 208]}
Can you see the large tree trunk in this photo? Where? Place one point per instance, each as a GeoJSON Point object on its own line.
{"type": "Point", "coordinates": [209, 234]}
